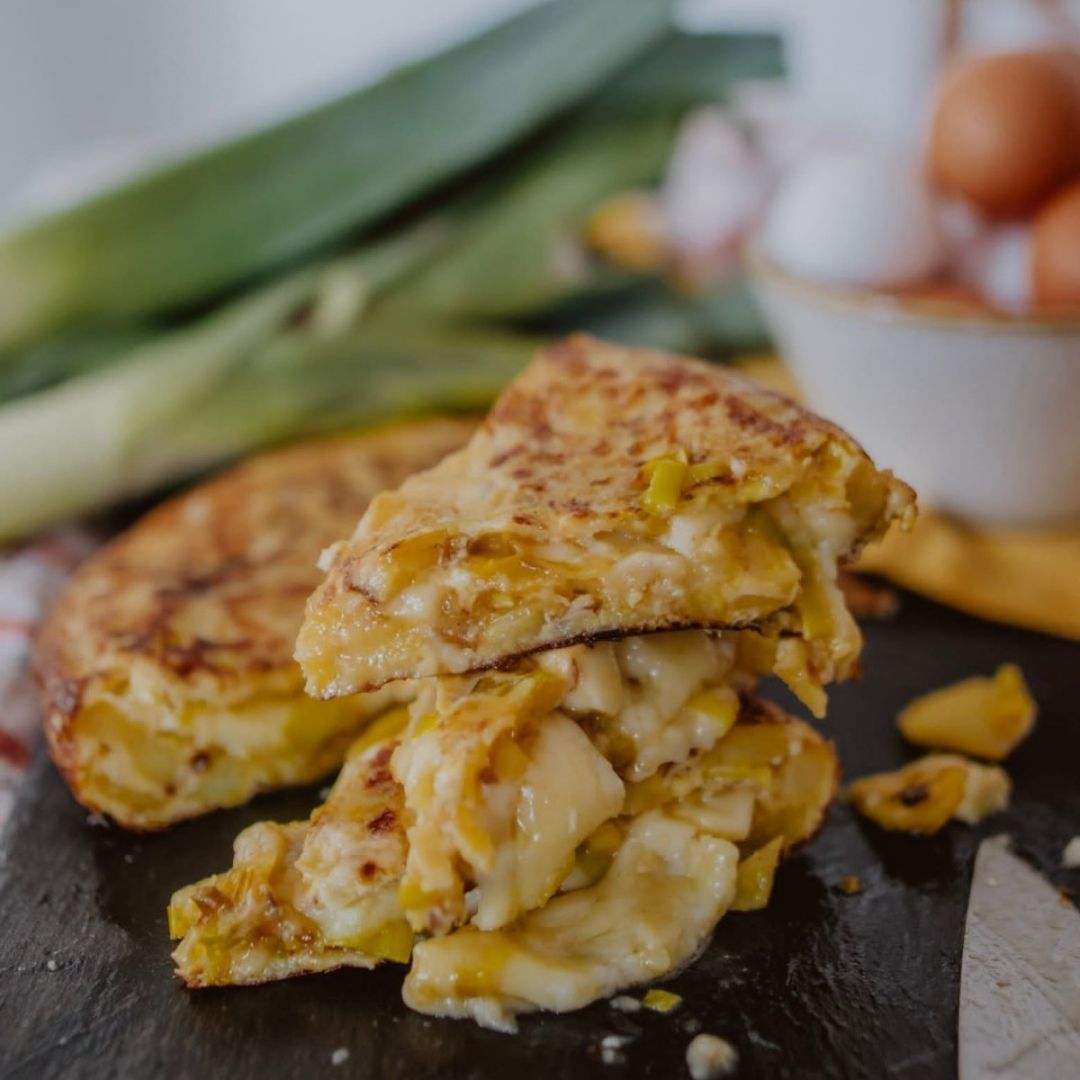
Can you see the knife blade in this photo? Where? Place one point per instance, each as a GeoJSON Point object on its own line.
{"type": "Point", "coordinates": [1020, 978]}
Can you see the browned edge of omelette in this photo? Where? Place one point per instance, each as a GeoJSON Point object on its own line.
{"type": "Point", "coordinates": [208, 588]}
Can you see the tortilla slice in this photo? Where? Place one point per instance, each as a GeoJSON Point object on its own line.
{"type": "Point", "coordinates": [166, 670]}
{"type": "Point", "coordinates": [611, 491]}
{"type": "Point", "coordinates": [550, 835]}
{"type": "Point", "coordinates": [306, 896]}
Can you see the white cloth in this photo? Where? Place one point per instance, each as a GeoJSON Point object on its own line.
{"type": "Point", "coordinates": [30, 578]}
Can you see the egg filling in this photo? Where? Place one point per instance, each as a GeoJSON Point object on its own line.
{"type": "Point", "coordinates": [149, 758]}
{"type": "Point", "coordinates": [610, 492]}
{"type": "Point", "coordinates": [534, 839]}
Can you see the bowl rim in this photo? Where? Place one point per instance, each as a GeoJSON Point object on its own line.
{"type": "Point", "coordinates": [884, 307]}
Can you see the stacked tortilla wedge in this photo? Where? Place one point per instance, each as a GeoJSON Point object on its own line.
{"type": "Point", "coordinates": [579, 781]}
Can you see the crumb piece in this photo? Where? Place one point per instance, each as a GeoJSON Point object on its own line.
{"type": "Point", "coordinates": [51, 965]}
{"type": "Point", "coordinates": [625, 1003]}
{"type": "Point", "coordinates": [709, 1057]}
{"type": "Point", "coordinates": [987, 791]}
{"type": "Point", "coordinates": [339, 1056]}
{"type": "Point", "coordinates": [1070, 857]}
{"type": "Point", "coordinates": [611, 1049]}
{"type": "Point", "coordinates": [850, 885]}
{"type": "Point", "coordinates": [661, 1001]}
{"type": "Point", "coordinates": [97, 821]}
{"type": "Point", "coordinates": [923, 795]}
{"type": "Point", "coordinates": [128, 858]}
{"type": "Point", "coordinates": [984, 717]}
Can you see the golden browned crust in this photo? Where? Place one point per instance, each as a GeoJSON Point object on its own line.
{"type": "Point", "coordinates": [561, 463]}
{"type": "Point", "coordinates": [207, 590]}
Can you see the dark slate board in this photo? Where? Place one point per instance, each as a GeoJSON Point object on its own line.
{"type": "Point", "coordinates": [819, 985]}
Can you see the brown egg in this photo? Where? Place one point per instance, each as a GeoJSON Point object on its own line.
{"type": "Point", "coordinates": [1055, 250]}
{"type": "Point", "coordinates": [1005, 130]}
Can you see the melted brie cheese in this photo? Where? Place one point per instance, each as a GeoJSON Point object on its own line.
{"type": "Point", "coordinates": [500, 790]}
{"type": "Point", "coordinates": [566, 792]}
{"type": "Point", "coordinates": [667, 887]}
{"type": "Point", "coordinates": [561, 832]}
{"type": "Point", "coordinates": [659, 712]}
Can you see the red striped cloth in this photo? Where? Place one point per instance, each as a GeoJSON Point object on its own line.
{"type": "Point", "coordinates": [30, 577]}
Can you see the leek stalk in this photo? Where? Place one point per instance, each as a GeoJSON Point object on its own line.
{"type": "Point", "coordinates": [103, 435]}
{"type": "Point", "coordinates": [190, 230]}
{"type": "Point", "coordinates": [521, 250]}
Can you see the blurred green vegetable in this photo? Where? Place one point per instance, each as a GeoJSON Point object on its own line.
{"type": "Point", "coordinates": [683, 71]}
{"type": "Point", "coordinates": [437, 316]}
{"type": "Point", "coordinates": [103, 435]}
{"type": "Point", "coordinates": [721, 321]}
{"type": "Point", "coordinates": [182, 233]}
{"type": "Point", "coordinates": [522, 249]}
{"type": "Point", "coordinates": [520, 254]}
{"type": "Point", "coordinates": [380, 372]}
{"type": "Point", "coordinates": [52, 361]}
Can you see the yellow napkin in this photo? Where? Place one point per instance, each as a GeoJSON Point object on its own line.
{"type": "Point", "coordinates": [1028, 578]}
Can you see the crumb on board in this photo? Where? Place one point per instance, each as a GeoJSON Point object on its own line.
{"type": "Point", "coordinates": [850, 885]}
{"type": "Point", "coordinates": [97, 821]}
{"type": "Point", "coordinates": [922, 796]}
{"type": "Point", "coordinates": [661, 1001]}
{"type": "Point", "coordinates": [611, 1049]}
{"type": "Point", "coordinates": [1070, 857]}
{"type": "Point", "coordinates": [51, 965]}
{"type": "Point", "coordinates": [982, 716]}
{"type": "Point", "coordinates": [626, 1003]}
{"type": "Point", "coordinates": [339, 1056]}
{"type": "Point", "coordinates": [708, 1057]}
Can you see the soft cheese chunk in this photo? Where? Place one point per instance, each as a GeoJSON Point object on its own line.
{"type": "Point", "coordinates": [666, 889]}
{"type": "Point", "coordinates": [673, 698]}
{"type": "Point", "coordinates": [547, 863]}
{"type": "Point", "coordinates": [500, 789]}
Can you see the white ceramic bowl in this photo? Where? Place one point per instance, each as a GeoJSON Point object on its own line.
{"type": "Point", "coordinates": [980, 413]}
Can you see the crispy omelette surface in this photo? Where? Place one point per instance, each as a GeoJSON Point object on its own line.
{"type": "Point", "coordinates": [166, 667]}
{"type": "Point", "coordinates": [611, 491]}
{"type": "Point", "coordinates": [532, 839]}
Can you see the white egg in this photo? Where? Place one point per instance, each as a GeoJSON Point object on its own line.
{"type": "Point", "coordinates": [715, 184]}
{"type": "Point", "coordinates": [998, 264]}
{"type": "Point", "coordinates": [860, 217]}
